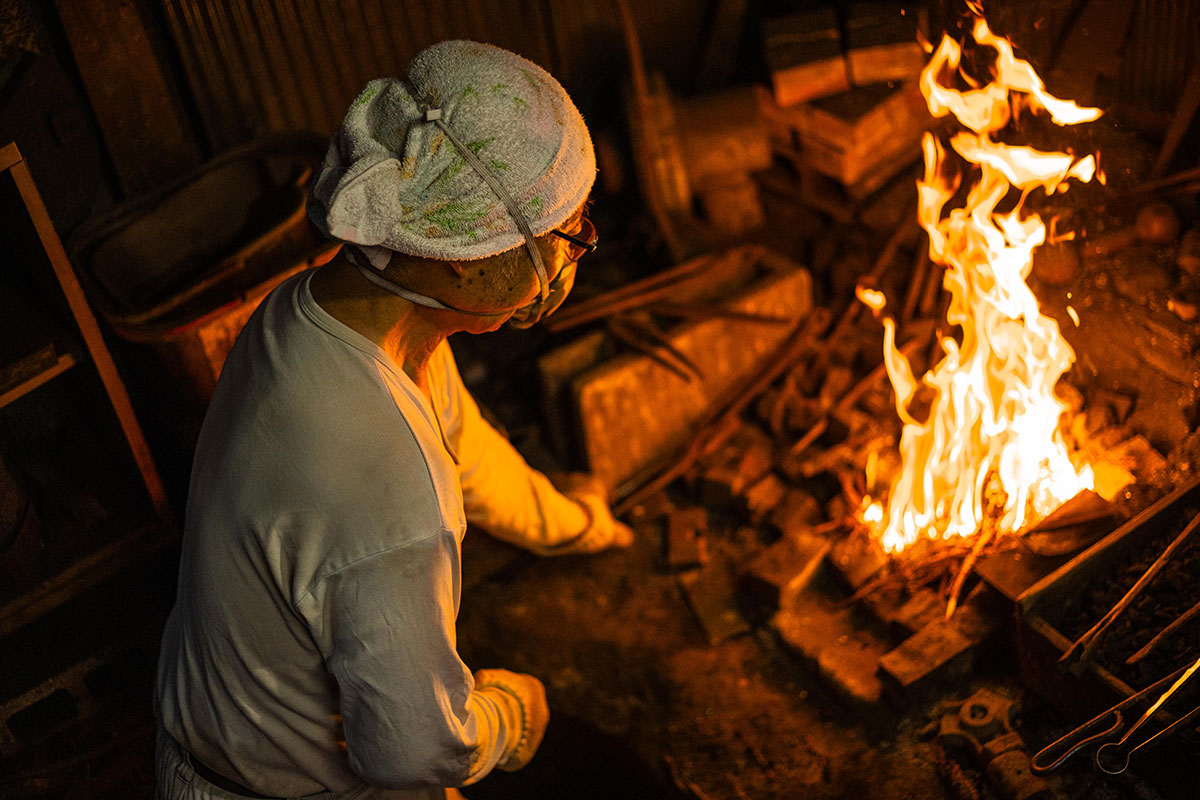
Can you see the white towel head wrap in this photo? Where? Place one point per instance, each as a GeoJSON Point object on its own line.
{"type": "Point", "coordinates": [391, 178]}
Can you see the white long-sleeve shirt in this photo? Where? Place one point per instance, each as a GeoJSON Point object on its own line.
{"type": "Point", "coordinates": [312, 645]}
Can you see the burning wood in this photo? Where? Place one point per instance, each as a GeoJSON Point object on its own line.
{"type": "Point", "coordinates": [990, 456]}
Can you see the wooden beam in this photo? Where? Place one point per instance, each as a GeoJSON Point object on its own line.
{"type": "Point", "coordinates": [89, 329]}
{"type": "Point", "coordinates": [142, 124]}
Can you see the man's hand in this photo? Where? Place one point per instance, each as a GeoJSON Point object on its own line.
{"type": "Point", "coordinates": [602, 530]}
{"type": "Point", "coordinates": [527, 696]}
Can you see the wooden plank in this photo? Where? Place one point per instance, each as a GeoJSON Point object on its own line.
{"type": "Point", "coordinates": [142, 125]}
{"type": "Point", "coordinates": [9, 155]}
{"type": "Point", "coordinates": [83, 574]}
{"type": "Point", "coordinates": [94, 341]}
{"type": "Point", "coordinates": [60, 365]}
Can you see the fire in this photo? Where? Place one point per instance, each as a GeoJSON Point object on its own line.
{"type": "Point", "coordinates": [990, 451]}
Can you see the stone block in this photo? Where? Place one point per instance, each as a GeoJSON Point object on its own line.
{"type": "Point", "coordinates": [709, 593]}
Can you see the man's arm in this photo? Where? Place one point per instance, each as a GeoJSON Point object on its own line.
{"type": "Point", "coordinates": [411, 713]}
{"type": "Point", "coordinates": [507, 497]}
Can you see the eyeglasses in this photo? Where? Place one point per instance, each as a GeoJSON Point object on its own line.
{"type": "Point", "coordinates": [585, 241]}
{"type": "Point", "coordinates": [581, 243]}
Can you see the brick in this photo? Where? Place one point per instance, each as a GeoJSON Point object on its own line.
{"type": "Point", "coordinates": [856, 560]}
{"type": "Point", "coordinates": [826, 637]}
{"type": "Point", "coordinates": [943, 650]}
{"type": "Point", "coordinates": [709, 593]}
{"type": "Point", "coordinates": [904, 613]}
{"type": "Point", "coordinates": [937, 653]}
{"type": "Point", "coordinates": [686, 545]}
{"type": "Point", "coordinates": [804, 55]}
{"type": "Point", "coordinates": [763, 496]}
{"type": "Point", "coordinates": [881, 43]}
{"type": "Point", "coordinates": [745, 460]}
{"type": "Point", "coordinates": [796, 512]}
{"type": "Point", "coordinates": [781, 570]}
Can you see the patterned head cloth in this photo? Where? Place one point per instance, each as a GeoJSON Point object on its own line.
{"type": "Point", "coordinates": [392, 179]}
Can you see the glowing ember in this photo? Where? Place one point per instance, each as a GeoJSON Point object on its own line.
{"type": "Point", "coordinates": [991, 448]}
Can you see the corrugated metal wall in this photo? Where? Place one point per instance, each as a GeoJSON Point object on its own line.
{"type": "Point", "coordinates": [267, 65]}
{"type": "Point", "coordinates": [1159, 45]}
{"type": "Point", "coordinates": [1160, 50]}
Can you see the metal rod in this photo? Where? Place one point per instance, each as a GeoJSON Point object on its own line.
{"type": "Point", "coordinates": [1092, 639]}
{"type": "Point", "coordinates": [1164, 633]}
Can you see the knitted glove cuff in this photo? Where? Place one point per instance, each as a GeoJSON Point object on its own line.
{"type": "Point", "coordinates": [517, 749]}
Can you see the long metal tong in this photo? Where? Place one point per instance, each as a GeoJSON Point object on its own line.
{"type": "Point", "coordinates": [1113, 754]}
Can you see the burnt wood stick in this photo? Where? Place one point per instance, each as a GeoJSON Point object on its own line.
{"type": "Point", "coordinates": [1081, 650]}
{"type": "Point", "coordinates": [629, 296]}
{"type": "Point", "coordinates": [1185, 181]}
{"type": "Point", "coordinates": [981, 541]}
{"type": "Point", "coordinates": [707, 312]}
{"type": "Point", "coordinates": [920, 270]}
{"type": "Point", "coordinates": [1173, 626]}
{"type": "Point", "coordinates": [1185, 112]}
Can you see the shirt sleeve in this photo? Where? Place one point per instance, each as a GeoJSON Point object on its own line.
{"type": "Point", "coordinates": [410, 714]}
{"type": "Point", "coordinates": [501, 493]}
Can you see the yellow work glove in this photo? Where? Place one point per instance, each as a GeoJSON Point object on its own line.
{"type": "Point", "coordinates": [602, 529]}
{"type": "Point", "coordinates": [522, 700]}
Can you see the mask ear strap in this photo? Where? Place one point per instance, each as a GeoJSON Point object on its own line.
{"type": "Point", "coordinates": [434, 115]}
{"type": "Point", "coordinates": [408, 294]}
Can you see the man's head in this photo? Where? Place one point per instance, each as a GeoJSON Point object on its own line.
{"type": "Point", "coordinates": [472, 159]}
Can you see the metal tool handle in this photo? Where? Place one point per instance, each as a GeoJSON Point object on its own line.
{"type": "Point", "coordinates": [1074, 744]}
{"type": "Point", "coordinates": [1115, 753]}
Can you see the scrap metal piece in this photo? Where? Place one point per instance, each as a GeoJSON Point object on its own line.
{"type": "Point", "coordinates": [984, 725]}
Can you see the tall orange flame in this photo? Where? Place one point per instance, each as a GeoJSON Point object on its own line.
{"type": "Point", "coordinates": [991, 445]}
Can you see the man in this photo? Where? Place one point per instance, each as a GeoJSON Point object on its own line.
{"type": "Point", "coordinates": [312, 646]}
